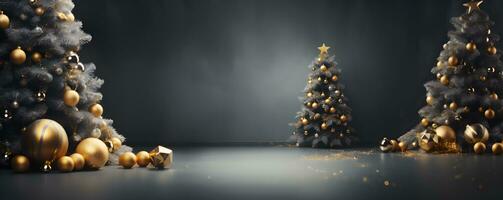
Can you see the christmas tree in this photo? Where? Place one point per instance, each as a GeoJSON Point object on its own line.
{"type": "Point", "coordinates": [463, 105]}
{"type": "Point", "coordinates": [42, 76]}
{"type": "Point", "coordinates": [325, 115]}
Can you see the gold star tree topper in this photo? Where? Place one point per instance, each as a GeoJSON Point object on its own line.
{"type": "Point", "coordinates": [323, 49]}
{"type": "Point", "coordinates": [473, 5]}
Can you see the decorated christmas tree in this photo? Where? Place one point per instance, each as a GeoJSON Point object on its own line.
{"type": "Point", "coordinates": [325, 115]}
{"type": "Point", "coordinates": [49, 99]}
{"type": "Point", "coordinates": [464, 111]}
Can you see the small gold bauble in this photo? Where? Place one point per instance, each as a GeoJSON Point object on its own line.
{"type": "Point", "coordinates": [142, 158]}
{"type": "Point", "coordinates": [429, 100]}
{"type": "Point", "coordinates": [471, 46]}
{"type": "Point", "coordinates": [497, 148]}
{"type": "Point", "coordinates": [328, 100]}
{"type": "Point", "coordinates": [70, 17]}
{"type": "Point", "coordinates": [65, 164]}
{"type": "Point", "coordinates": [309, 94]}
{"type": "Point", "coordinates": [78, 161]}
{"type": "Point", "coordinates": [324, 126]}
{"type": "Point", "coordinates": [20, 163]}
{"type": "Point", "coordinates": [440, 64]}
{"type": "Point", "coordinates": [36, 57]}
{"type": "Point", "coordinates": [334, 78]}
{"type": "Point", "coordinates": [308, 104]}
{"type": "Point", "coordinates": [492, 50]}
{"type": "Point", "coordinates": [304, 121]}
{"type": "Point", "coordinates": [17, 56]}
{"type": "Point", "coordinates": [332, 110]}
{"type": "Point", "coordinates": [494, 96]}
{"type": "Point", "coordinates": [489, 113]}
{"type": "Point", "coordinates": [4, 20]}
{"type": "Point", "coordinates": [453, 106]}
{"type": "Point", "coordinates": [96, 110]}
{"type": "Point", "coordinates": [453, 61]}
{"type": "Point", "coordinates": [444, 80]}
{"type": "Point", "coordinates": [425, 122]}
{"type": "Point", "coordinates": [479, 148]}
{"type": "Point", "coordinates": [446, 133]}
{"type": "Point", "coordinates": [117, 143]}
{"type": "Point", "coordinates": [127, 160]}
{"type": "Point", "coordinates": [483, 78]}
{"type": "Point", "coordinates": [314, 105]}
{"type": "Point", "coordinates": [39, 11]}
{"type": "Point", "coordinates": [323, 68]}
{"type": "Point", "coordinates": [343, 118]}
{"type": "Point", "coordinates": [394, 145]}
{"type": "Point", "coordinates": [403, 146]}
{"type": "Point", "coordinates": [94, 151]}
{"type": "Point", "coordinates": [71, 98]}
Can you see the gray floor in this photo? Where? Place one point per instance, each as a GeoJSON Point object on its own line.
{"type": "Point", "coordinates": [275, 173]}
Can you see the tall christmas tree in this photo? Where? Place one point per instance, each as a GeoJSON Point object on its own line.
{"type": "Point", "coordinates": [463, 104]}
{"type": "Point", "coordinates": [325, 115]}
{"type": "Point", "coordinates": [42, 77]}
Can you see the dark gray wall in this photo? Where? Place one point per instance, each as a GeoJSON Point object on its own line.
{"type": "Point", "coordinates": [183, 71]}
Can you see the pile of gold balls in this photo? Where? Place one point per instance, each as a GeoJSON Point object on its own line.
{"type": "Point", "coordinates": [45, 144]}
{"type": "Point", "coordinates": [443, 140]}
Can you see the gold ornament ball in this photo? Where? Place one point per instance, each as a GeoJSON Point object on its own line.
{"type": "Point", "coordinates": [425, 122]}
{"type": "Point", "coordinates": [44, 141]}
{"type": "Point", "coordinates": [39, 11]}
{"type": "Point", "coordinates": [17, 56]}
{"type": "Point", "coordinates": [304, 121]}
{"type": "Point", "coordinates": [335, 78]}
{"type": "Point", "coordinates": [494, 96]}
{"type": "Point", "coordinates": [65, 164]}
{"type": "Point", "coordinates": [402, 146]}
{"type": "Point", "coordinates": [453, 61]}
{"type": "Point", "coordinates": [309, 94]}
{"type": "Point", "coordinates": [71, 98]}
{"type": "Point", "coordinates": [127, 160]}
{"type": "Point", "coordinates": [96, 110]}
{"type": "Point", "coordinates": [343, 118]}
{"type": "Point", "coordinates": [440, 64]}
{"type": "Point", "coordinates": [489, 113]}
{"type": "Point", "coordinates": [446, 133]}
{"type": "Point", "coordinates": [492, 50]}
{"type": "Point", "coordinates": [94, 151]}
{"type": "Point", "coordinates": [36, 57]}
{"type": "Point", "coordinates": [471, 46]}
{"type": "Point", "coordinates": [453, 106]}
{"type": "Point", "coordinates": [142, 158]}
{"type": "Point", "coordinates": [332, 110]}
{"type": "Point", "coordinates": [117, 143]}
{"type": "Point", "coordinates": [314, 105]}
{"type": "Point", "coordinates": [444, 80]}
{"type": "Point", "coordinates": [78, 161]}
{"type": "Point", "coordinates": [497, 148]}
{"type": "Point", "coordinates": [323, 68]}
{"type": "Point", "coordinates": [20, 164]}
{"type": "Point", "coordinates": [479, 148]}
{"type": "Point", "coordinates": [324, 126]}
{"type": "Point", "coordinates": [394, 145]}
{"type": "Point", "coordinates": [4, 20]}
{"type": "Point", "coordinates": [429, 100]}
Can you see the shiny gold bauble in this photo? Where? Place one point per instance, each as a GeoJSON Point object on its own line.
{"type": "Point", "coordinates": [36, 57]}
{"type": "Point", "coordinates": [78, 161]}
{"type": "Point", "coordinates": [497, 148]}
{"type": "Point", "coordinates": [425, 122]}
{"type": "Point", "coordinates": [65, 164]}
{"type": "Point", "coordinates": [453, 61]}
{"type": "Point", "coordinates": [453, 106]}
{"type": "Point", "coordinates": [304, 121]}
{"type": "Point", "coordinates": [403, 146]}
{"type": "Point", "coordinates": [494, 96]}
{"type": "Point", "coordinates": [323, 68]}
{"type": "Point", "coordinates": [394, 145]}
{"type": "Point", "coordinates": [44, 141]}
{"type": "Point", "coordinates": [327, 101]}
{"type": "Point", "coordinates": [4, 21]}
{"type": "Point", "coordinates": [429, 100]}
{"type": "Point", "coordinates": [476, 133]}
{"type": "Point", "coordinates": [489, 113]}
{"type": "Point", "coordinates": [314, 105]}
{"type": "Point", "coordinates": [71, 98]}
{"type": "Point", "coordinates": [70, 17]}
{"type": "Point", "coordinates": [335, 78]}
{"type": "Point", "coordinates": [444, 80]}
{"type": "Point", "coordinates": [440, 64]}
{"type": "Point", "coordinates": [127, 160]}
{"type": "Point", "coordinates": [479, 148]}
{"type": "Point", "coordinates": [142, 158]}
{"type": "Point", "coordinates": [117, 143]}
{"type": "Point", "coordinates": [96, 110]}
{"type": "Point", "coordinates": [386, 145]}
{"type": "Point", "coordinates": [446, 133]}
{"type": "Point", "coordinates": [39, 11]}
{"type": "Point", "coordinates": [17, 56]}
{"type": "Point", "coordinates": [332, 110]}
{"type": "Point", "coordinates": [324, 126]}
{"type": "Point", "coordinates": [492, 50]}
{"type": "Point", "coordinates": [471, 46]}
{"type": "Point", "coordinates": [309, 94]}
{"type": "Point", "coordinates": [94, 151]}
{"type": "Point", "coordinates": [343, 118]}
{"type": "Point", "coordinates": [20, 164]}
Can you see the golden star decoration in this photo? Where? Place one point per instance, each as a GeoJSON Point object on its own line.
{"type": "Point", "coordinates": [323, 49]}
{"type": "Point", "coordinates": [473, 5]}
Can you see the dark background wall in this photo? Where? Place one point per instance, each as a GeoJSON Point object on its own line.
{"type": "Point", "coordinates": [191, 71]}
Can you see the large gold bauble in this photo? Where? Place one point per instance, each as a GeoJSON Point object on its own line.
{"type": "Point", "coordinates": [94, 151]}
{"type": "Point", "coordinates": [4, 21]}
{"type": "Point", "coordinates": [446, 133]}
{"type": "Point", "coordinates": [492, 50]}
{"type": "Point", "coordinates": [36, 57]}
{"type": "Point", "coordinates": [323, 68]}
{"type": "Point", "coordinates": [476, 133]}
{"type": "Point", "coordinates": [20, 164]}
{"type": "Point", "coordinates": [71, 98]}
{"type": "Point", "coordinates": [497, 148]}
{"type": "Point", "coordinates": [127, 160]}
{"type": "Point", "coordinates": [96, 110]}
{"type": "Point", "coordinates": [489, 113]}
{"type": "Point", "coordinates": [142, 158]}
{"type": "Point", "coordinates": [453, 61]}
{"type": "Point", "coordinates": [117, 143]}
{"type": "Point", "coordinates": [429, 100]}
{"type": "Point", "coordinates": [444, 80]}
{"type": "Point", "coordinates": [44, 141]}
{"type": "Point", "coordinates": [425, 122]}
{"type": "Point", "coordinates": [78, 161]}
{"type": "Point", "coordinates": [471, 46]}
{"type": "Point", "coordinates": [39, 11]}
{"type": "Point", "coordinates": [479, 148]}
{"type": "Point", "coordinates": [65, 164]}
{"type": "Point", "coordinates": [17, 56]}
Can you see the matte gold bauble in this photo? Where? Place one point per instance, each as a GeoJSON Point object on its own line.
{"type": "Point", "coordinates": [429, 100]}
{"type": "Point", "coordinates": [444, 80]}
{"type": "Point", "coordinates": [44, 141]}
{"type": "Point", "coordinates": [65, 164]}
{"type": "Point", "coordinates": [446, 133]}
{"type": "Point", "coordinates": [324, 126]}
{"type": "Point", "coordinates": [142, 158]}
{"type": "Point", "coordinates": [479, 148]}
{"type": "Point", "coordinates": [453, 106]}
{"type": "Point", "coordinates": [314, 105]}
{"type": "Point", "coordinates": [471, 46]}
{"type": "Point", "coordinates": [343, 118]}
{"type": "Point", "coordinates": [453, 61]}
{"type": "Point", "coordinates": [117, 143]}
{"type": "Point", "coordinates": [4, 20]}
{"type": "Point", "coordinates": [403, 146]}
{"type": "Point", "coordinates": [394, 145]}
{"type": "Point", "coordinates": [304, 121]}
{"type": "Point", "coordinates": [332, 110]}
{"type": "Point", "coordinates": [20, 164]}
{"type": "Point", "coordinates": [17, 56]}
{"type": "Point", "coordinates": [39, 11]}
{"type": "Point", "coordinates": [492, 50]}
{"type": "Point", "coordinates": [440, 64]}
{"type": "Point", "coordinates": [36, 57]}
{"type": "Point", "coordinates": [71, 98]}
{"type": "Point", "coordinates": [94, 151]}
{"type": "Point", "coordinates": [127, 160]}
{"type": "Point", "coordinates": [425, 122]}
{"type": "Point", "coordinates": [497, 148]}
{"type": "Point", "coordinates": [323, 68]}
{"type": "Point", "coordinates": [78, 161]}
{"type": "Point", "coordinates": [494, 96]}
{"type": "Point", "coordinates": [334, 78]}
{"type": "Point", "coordinates": [489, 113]}
{"type": "Point", "coordinates": [96, 110]}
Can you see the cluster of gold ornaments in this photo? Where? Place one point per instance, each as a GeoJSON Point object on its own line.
{"type": "Point", "coordinates": [160, 158]}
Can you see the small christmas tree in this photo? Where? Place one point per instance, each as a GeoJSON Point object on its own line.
{"type": "Point", "coordinates": [325, 116]}
{"type": "Point", "coordinates": [41, 75]}
{"type": "Point", "coordinates": [463, 104]}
